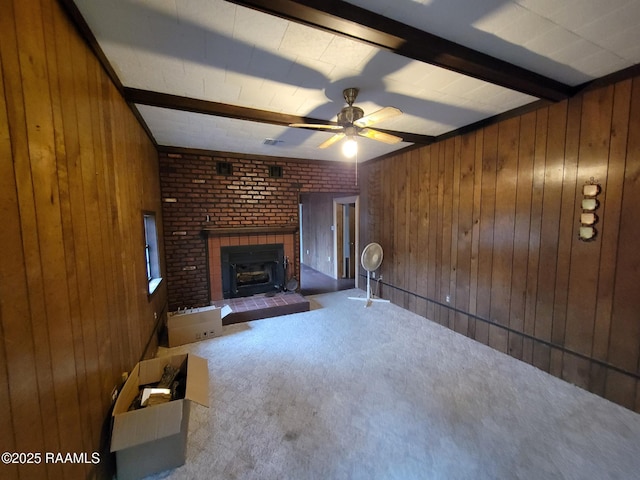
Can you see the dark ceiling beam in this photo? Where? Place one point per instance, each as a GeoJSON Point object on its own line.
{"type": "Point", "coordinates": [175, 102]}
{"type": "Point", "coordinates": [342, 18]}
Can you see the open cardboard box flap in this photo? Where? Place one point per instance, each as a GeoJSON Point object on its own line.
{"type": "Point", "coordinates": [146, 424]}
{"type": "Point", "coordinates": [134, 427]}
{"type": "Point", "coordinates": [195, 316]}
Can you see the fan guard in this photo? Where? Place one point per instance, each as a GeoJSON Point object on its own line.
{"type": "Point", "coordinates": [371, 259]}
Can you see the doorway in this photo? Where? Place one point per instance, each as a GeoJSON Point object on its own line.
{"type": "Point", "coordinates": [346, 238]}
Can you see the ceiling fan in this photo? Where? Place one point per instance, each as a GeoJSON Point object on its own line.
{"type": "Point", "coordinates": [352, 121]}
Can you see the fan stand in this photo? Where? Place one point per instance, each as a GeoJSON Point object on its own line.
{"type": "Point", "coordinates": [369, 300]}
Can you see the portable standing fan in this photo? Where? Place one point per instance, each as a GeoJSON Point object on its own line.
{"type": "Point", "coordinates": [371, 260]}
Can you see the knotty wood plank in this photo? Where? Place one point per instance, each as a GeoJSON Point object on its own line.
{"type": "Point", "coordinates": [402, 267]}
{"type": "Point", "coordinates": [18, 371]}
{"type": "Point", "coordinates": [475, 239]}
{"type": "Point", "coordinates": [566, 231]}
{"type": "Point", "coordinates": [504, 221]}
{"type": "Point", "coordinates": [98, 234]}
{"type": "Point", "coordinates": [455, 212]}
{"type": "Point", "coordinates": [68, 124]}
{"type": "Point", "coordinates": [439, 243]}
{"type": "Point", "coordinates": [554, 166]}
{"type": "Point", "coordinates": [116, 274]}
{"type": "Point", "coordinates": [446, 222]}
{"type": "Point", "coordinates": [47, 175]}
{"type": "Point", "coordinates": [522, 223]}
{"type": "Point", "coordinates": [465, 231]}
{"type": "Point", "coordinates": [433, 228]}
{"type": "Point", "coordinates": [533, 262]}
{"type": "Point", "coordinates": [84, 212]}
{"type": "Point", "coordinates": [423, 174]}
{"type": "Point", "coordinates": [414, 226]}
{"type": "Point", "coordinates": [388, 243]}
{"type": "Point", "coordinates": [17, 48]}
{"type": "Point", "coordinates": [486, 245]}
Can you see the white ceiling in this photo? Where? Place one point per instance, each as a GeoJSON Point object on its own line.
{"type": "Point", "coordinates": [217, 51]}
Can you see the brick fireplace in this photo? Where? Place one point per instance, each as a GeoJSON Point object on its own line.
{"type": "Point", "coordinates": [200, 204]}
{"type": "Point", "coordinates": [260, 238]}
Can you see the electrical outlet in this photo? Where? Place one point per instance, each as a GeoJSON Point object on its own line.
{"type": "Point", "coordinates": [373, 275]}
{"type": "Point", "coordinates": [447, 299]}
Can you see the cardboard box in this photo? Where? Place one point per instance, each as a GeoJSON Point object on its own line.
{"type": "Point", "coordinates": [195, 324]}
{"type": "Point", "coordinates": [153, 439]}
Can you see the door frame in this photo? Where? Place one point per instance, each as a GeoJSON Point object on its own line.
{"type": "Point", "coordinates": [342, 201]}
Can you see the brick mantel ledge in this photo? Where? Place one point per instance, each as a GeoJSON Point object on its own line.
{"type": "Point", "coordinates": [259, 230]}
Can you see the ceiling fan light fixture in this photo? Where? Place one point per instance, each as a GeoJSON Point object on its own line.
{"type": "Point", "coordinates": [350, 147]}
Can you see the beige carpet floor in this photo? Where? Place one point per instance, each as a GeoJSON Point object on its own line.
{"type": "Point", "coordinates": [348, 392]}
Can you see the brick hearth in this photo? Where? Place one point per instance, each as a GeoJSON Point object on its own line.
{"type": "Point", "coordinates": [263, 306]}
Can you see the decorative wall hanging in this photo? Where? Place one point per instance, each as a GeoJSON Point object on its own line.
{"type": "Point", "coordinates": [588, 218]}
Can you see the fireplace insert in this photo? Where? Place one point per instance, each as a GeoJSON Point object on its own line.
{"type": "Point", "coordinates": [251, 269]}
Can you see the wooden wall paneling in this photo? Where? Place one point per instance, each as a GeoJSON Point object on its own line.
{"type": "Point", "coordinates": [439, 242]}
{"type": "Point", "coordinates": [609, 227]}
{"type": "Point", "coordinates": [624, 346]}
{"type": "Point", "coordinates": [475, 232]}
{"type": "Point", "coordinates": [125, 224]}
{"type": "Point", "coordinates": [67, 154]}
{"type": "Point", "coordinates": [585, 256]}
{"type": "Point", "coordinates": [433, 229]}
{"type": "Point", "coordinates": [58, 283]}
{"type": "Point", "coordinates": [567, 229]}
{"type": "Point", "coordinates": [466, 173]}
{"type": "Point", "coordinates": [19, 371]}
{"type": "Point", "coordinates": [446, 221]}
{"type": "Point", "coordinates": [76, 120]}
{"type": "Point", "coordinates": [485, 247]}
{"type": "Point", "coordinates": [102, 237]}
{"type": "Point", "coordinates": [403, 227]}
{"type": "Point", "coordinates": [97, 364]}
{"type": "Point", "coordinates": [455, 215]}
{"type": "Point", "coordinates": [368, 227]}
{"type": "Point", "coordinates": [504, 222]}
{"type": "Point", "coordinates": [11, 247]}
{"type": "Point", "coordinates": [387, 227]}
{"type": "Point", "coordinates": [62, 212]}
{"type": "Point", "coordinates": [23, 59]}
{"type": "Point", "coordinates": [414, 226]}
{"type": "Point", "coordinates": [407, 230]}
{"type": "Point", "coordinates": [551, 202]}
{"type": "Point", "coordinates": [115, 242]}
{"type": "Point", "coordinates": [369, 201]}
{"type": "Point", "coordinates": [533, 261]}
{"type": "Point", "coordinates": [526, 151]}
{"type": "Point", "coordinates": [423, 173]}
{"type": "Point", "coordinates": [398, 205]}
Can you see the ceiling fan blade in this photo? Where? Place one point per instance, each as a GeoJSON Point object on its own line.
{"type": "Point", "coordinates": [377, 116]}
{"type": "Point", "coordinates": [331, 141]}
{"type": "Point", "coordinates": [379, 136]}
{"type": "Point", "coordinates": [316, 125]}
